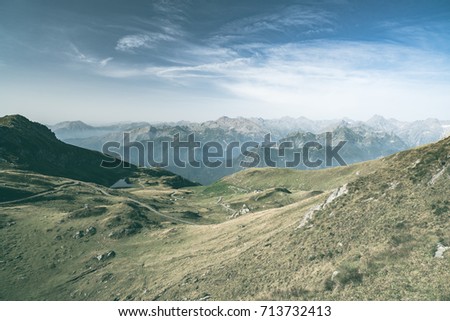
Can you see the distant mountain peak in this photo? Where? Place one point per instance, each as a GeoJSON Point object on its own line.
{"type": "Point", "coordinates": [72, 125]}
{"type": "Point", "coordinates": [377, 117]}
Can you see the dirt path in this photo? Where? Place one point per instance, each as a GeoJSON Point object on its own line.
{"type": "Point", "coordinates": [50, 191]}
{"type": "Point", "coordinates": [97, 189]}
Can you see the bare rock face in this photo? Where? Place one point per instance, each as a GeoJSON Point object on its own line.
{"type": "Point", "coordinates": [336, 194]}
{"type": "Point", "coordinates": [333, 196]}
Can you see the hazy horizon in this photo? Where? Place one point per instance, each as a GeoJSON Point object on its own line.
{"type": "Point", "coordinates": [156, 121]}
{"type": "Point", "coordinates": [198, 60]}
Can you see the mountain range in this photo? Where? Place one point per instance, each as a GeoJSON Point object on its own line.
{"type": "Point", "coordinates": [413, 134]}
{"type": "Point", "coordinates": [373, 139]}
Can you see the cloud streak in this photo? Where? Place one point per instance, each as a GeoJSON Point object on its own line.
{"type": "Point", "coordinates": [76, 55]}
{"type": "Point", "coordinates": [338, 60]}
{"type": "Point", "coordinates": [292, 21]}
{"type": "Point", "coordinates": [330, 75]}
{"type": "Point", "coordinates": [132, 42]}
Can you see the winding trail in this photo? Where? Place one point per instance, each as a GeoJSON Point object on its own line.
{"type": "Point", "coordinates": [97, 189]}
{"type": "Point", "coordinates": [48, 192]}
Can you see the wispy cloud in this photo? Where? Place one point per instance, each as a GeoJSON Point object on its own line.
{"type": "Point", "coordinates": [211, 70]}
{"type": "Point", "coordinates": [293, 20]}
{"type": "Point", "coordinates": [329, 74]}
{"type": "Point", "coordinates": [173, 8]}
{"type": "Point", "coordinates": [165, 25]}
{"type": "Point", "coordinates": [430, 35]}
{"type": "Point", "coordinates": [316, 59]}
{"type": "Point", "coordinates": [131, 42]}
{"type": "Point", "coordinates": [288, 73]}
{"type": "Point", "coordinates": [104, 62]}
{"type": "Point", "coordinates": [79, 57]}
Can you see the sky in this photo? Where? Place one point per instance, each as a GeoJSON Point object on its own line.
{"type": "Point", "coordinates": [104, 61]}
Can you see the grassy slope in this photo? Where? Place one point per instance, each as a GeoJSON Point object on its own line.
{"type": "Point", "coordinates": [378, 240]}
{"type": "Point", "coordinates": [323, 179]}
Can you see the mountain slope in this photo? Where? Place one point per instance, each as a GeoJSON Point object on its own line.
{"type": "Point", "coordinates": [377, 238]}
{"type": "Point", "coordinates": [31, 146]}
{"type": "Point", "coordinates": [362, 142]}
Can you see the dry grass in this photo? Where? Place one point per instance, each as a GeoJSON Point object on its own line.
{"type": "Point", "coordinates": [376, 242]}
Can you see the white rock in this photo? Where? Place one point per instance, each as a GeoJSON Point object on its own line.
{"type": "Point", "coordinates": [437, 176]}
{"type": "Point", "coordinates": [441, 249]}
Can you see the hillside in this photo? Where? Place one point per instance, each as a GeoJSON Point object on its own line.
{"type": "Point", "coordinates": [33, 147]}
{"type": "Point", "coordinates": [371, 231]}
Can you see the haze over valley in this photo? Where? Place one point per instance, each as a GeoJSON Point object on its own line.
{"type": "Point", "coordinates": [368, 140]}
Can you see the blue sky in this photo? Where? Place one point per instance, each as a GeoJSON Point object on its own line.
{"type": "Point", "coordinates": [104, 61]}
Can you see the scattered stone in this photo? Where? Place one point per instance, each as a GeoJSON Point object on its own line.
{"type": "Point", "coordinates": [110, 254]}
{"type": "Point", "coordinates": [244, 210]}
{"type": "Point", "coordinates": [205, 297]}
{"type": "Point", "coordinates": [91, 230]}
{"type": "Point", "coordinates": [106, 256]}
{"type": "Point", "coordinates": [335, 273]}
{"type": "Point", "coordinates": [78, 235]}
{"type": "Point", "coordinates": [58, 238]}
{"type": "Point", "coordinates": [440, 250]}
